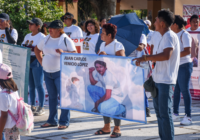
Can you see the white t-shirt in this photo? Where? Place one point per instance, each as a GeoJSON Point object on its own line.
{"type": "Point", "coordinates": [33, 40]}
{"type": "Point", "coordinates": [111, 48]}
{"type": "Point", "coordinates": [73, 31]}
{"type": "Point", "coordinates": [185, 41]}
{"type": "Point", "coordinates": [109, 81]}
{"type": "Point", "coordinates": [84, 34]}
{"type": "Point", "coordinates": [149, 36]}
{"type": "Point", "coordinates": [166, 72]}
{"type": "Point", "coordinates": [51, 59]}
{"type": "Point", "coordinates": [1, 57]}
{"type": "Point", "coordinates": [9, 102]}
{"type": "Point", "coordinates": [3, 37]}
{"type": "Point", "coordinates": [155, 41]}
{"type": "Point", "coordinates": [189, 30]}
{"type": "Point", "coordinates": [89, 44]}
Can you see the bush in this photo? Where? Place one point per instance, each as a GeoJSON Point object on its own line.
{"type": "Point", "coordinates": [22, 10]}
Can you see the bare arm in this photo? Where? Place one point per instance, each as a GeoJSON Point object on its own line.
{"type": "Point", "coordinates": [39, 55]}
{"type": "Point", "coordinates": [92, 80]}
{"type": "Point", "coordinates": [152, 46]}
{"type": "Point", "coordinates": [3, 119]}
{"type": "Point", "coordinates": [140, 47]}
{"type": "Point", "coordinates": [120, 53]}
{"type": "Point", "coordinates": [186, 51]}
{"type": "Point", "coordinates": [104, 98]}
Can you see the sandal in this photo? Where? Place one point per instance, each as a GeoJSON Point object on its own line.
{"type": "Point", "coordinates": [102, 132]}
{"type": "Point", "coordinates": [48, 125]}
{"type": "Point", "coordinates": [62, 127]}
{"type": "Point", "coordinates": [116, 135]}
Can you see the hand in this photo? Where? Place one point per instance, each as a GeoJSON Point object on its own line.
{"type": "Point", "coordinates": [103, 53]}
{"type": "Point", "coordinates": [7, 24]}
{"type": "Point", "coordinates": [138, 60]}
{"type": "Point", "coordinates": [59, 51]}
{"type": "Point", "coordinates": [91, 69]}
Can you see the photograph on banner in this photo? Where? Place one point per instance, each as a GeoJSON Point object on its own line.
{"type": "Point", "coordinates": [105, 85]}
{"type": "Point", "coordinates": [78, 43]}
{"type": "Point", "coordinates": [189, 10]}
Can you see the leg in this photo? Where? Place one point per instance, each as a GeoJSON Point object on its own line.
{"type": "Point", "coordinates": [12, 134]}
{"type": "Point", "coordinates": [106, 128]}
{"type": "Point", "coordinates": [95, 92]}
{"type": "Point", "coordinates": [177, 96]}
{"type": "Point", "coordinates": [32, 88]}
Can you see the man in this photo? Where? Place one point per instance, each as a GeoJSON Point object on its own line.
{"type": "Point", "coordinates": [109, 98]}
{"type": "Point", "coordinates": [194, 22]}
{"type": "Point", "coordinates": [71, 30]}
{"type": "Point", "coordinates": [148, 23]}
{"type": "Point", "coordinates": [165, 74]}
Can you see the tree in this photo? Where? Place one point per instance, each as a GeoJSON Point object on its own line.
{"type": "Point", "coordinates": [22, 10]}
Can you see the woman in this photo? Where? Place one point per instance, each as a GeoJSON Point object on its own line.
{"type": "Point", "coordinates": [7, 33]}
{"type": "Point", "coordinates": [82, 25]}
{"type": "Point", "coordinates": [110, 46]}
{"type": "Point", "coordinates": [184, 73]}
{"type": "Point", "coordinates": [102, 22]}
{"type": "Point", "coordinates": [52, 46]}
{"type": "Point", "coordinates": [92, 30]}
{"type": "Point", "coordinates": [36, 75]}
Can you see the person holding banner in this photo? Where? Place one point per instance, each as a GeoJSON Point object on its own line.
{"type": "Point", "coordinates": [184, 73]}
{"type": "Point", "coordinates": [7, 33]}
{"type": "Point", "coordinates": [52, 46]}
{"type": "Point", "coordinates": [92, 30]}
{"type": "Point", "coordinates": [110, 47]}
{"type": "Point", "coordinates": [194, 22]}
{"type": "Point", "coordinates": [102, 22]}
{"type": "Point", "coordinates": [36, 76]}
{"type": "Point", "coordinates": [82, 25]}
{"type": "Point", "coordinates": [165, 73]}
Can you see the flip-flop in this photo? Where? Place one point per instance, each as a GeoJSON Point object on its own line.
{"type": "Point", "coordinates": [62, 128]}
{"type": "Point", "coordinates": [115, 134]}
{"type": "Point", "coordinates": [102, 132]}
{"type": "Point", "coordinates": [49, 125]}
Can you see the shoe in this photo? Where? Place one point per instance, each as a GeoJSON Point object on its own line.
{"type": "Point", "coordinates": [40, 111]}
{"type": "Point", "coordinates": [33, 108]}
{"type": "Point", "coordinates": [175, 117]}
{"type": "Point", "coordinates": [148, 113]}
{"type": "Point", "coordinates": [186, 120]}
{"type": "Point", "coordinates": [95, 110]}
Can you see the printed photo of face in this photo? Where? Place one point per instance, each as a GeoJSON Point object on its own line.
{"type": "Point", "coordinates": [31, 43]}
{"type": "Point", "coordinates": [3, 36]}
{"type": "Point", "coordinates": [100, 69]}
{"type": "Point", "coordinates": [26, 43]}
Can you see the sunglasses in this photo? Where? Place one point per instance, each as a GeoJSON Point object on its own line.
{"type": "Point", "coordinates": [31, 24]}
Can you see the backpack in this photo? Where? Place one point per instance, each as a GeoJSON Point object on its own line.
{"type": "Point", "coordinates": [24, 121]}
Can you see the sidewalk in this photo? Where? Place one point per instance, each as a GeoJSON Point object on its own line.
{"type": "Point", "coordinates": [83, 126]}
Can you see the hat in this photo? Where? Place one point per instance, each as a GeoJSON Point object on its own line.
{"type": "Point", "coordinates": [5, 70]}
{"type": "Point", "coordinates": [4, 16]}
{"type": "Point", "coordinates": [68, 15]}
{"type": "Point", "coordinates": [147, 22]}
{"type": "Point", "coordinates": [37, 21]}
{"type": "Point", "coordinates": [56, 24]}
{"type": "Point", "coordinates": [46, 24]}
{"type": "Point", "coordinates": [149, 86]}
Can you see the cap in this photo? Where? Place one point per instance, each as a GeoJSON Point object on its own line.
{"type": "Point", "coordinates": [4, 16]}
{"type": "Point", "coordinates": [147, 22]}
{"type": "Point", "coordinates": [5, 70]}
{"type": "Point", "coordinates": [37, 21]}
{"type": "Point", "coordinates": [68, 15]}
{"type": "Point", "coordinates": [57, 24]}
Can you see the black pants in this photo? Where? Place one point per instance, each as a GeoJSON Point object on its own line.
{"type": "Point", "coordinates": [108, 120]}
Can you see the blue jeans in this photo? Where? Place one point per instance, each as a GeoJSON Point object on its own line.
{"type": "Point", "coordinates": [163, 104]}
{"type": "Point", "coordinates": [182, 86]}
{"type": "Point", "coordinates": [36, 78]}
{"type": "Point", "coordinates": [52, 81]}
{"type": "Point", "coordinates": [3, 138]}
{"type": "Point", "coordinates": [110, 106]}
{"type": "Point", "coordinates": [146, 100]}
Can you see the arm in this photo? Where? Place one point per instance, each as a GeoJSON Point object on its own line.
{"type": "Point", "coordinates": [9, 37]}
{"type": "Point", "coordinates": [104, 98]}
{"type": "Point", "coordinates": [38, 54]}
{"type": "Point", "coordinates": [92, 80]}
{"type": "Point", "coordinates": [186, 51]}
{"type": "Point", "coordinates": [152, 46]}
{"type": "Point", "coordinates": [120, 53]}
{"type": "Point", "coordinates": [3, 119]}
{"type": "Point", "coordinates": [140, 47]}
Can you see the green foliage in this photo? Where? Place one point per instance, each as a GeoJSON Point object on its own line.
{"type": "Point", "coordinates": [140, 13]}
{"type": "Point", "coordinates": [22, 10]}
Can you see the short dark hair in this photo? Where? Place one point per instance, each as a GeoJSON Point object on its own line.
{"type": "Point", "coordinates": [95, 23]}
{"type": "Point", "coordinates": [110, 29]}
{"type": "Point", "coordinates": [102, 19]}
{"type": "Point", "coordinates": [180, 21]}
{"type": "Point", "coordinates": [167, 16]}
{"type": "Point", "coordinates": [193, 17]}
{"type": "Point", "coordinates": [74, 78]}
{"type": "Point", "coordinates": [100, 63]}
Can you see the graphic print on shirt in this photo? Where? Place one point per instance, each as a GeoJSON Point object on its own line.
{"type": "Point", "coordinates": [31, 43]}
{"type": "Point", "coordinates": [68, 33]}
{"type": "Point", "coordinates": [85, 43]}
{"type": "Point", "coordinates": [2, 37]}
{"type": "Point", "coordinates": [26, 43]}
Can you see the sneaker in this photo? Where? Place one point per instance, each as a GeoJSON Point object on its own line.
{"type": "Point", "coordinates": [40, 111]}
{"type": "Point", "coordinates": [148, 113]}
{"type": "Point", "coordinates": [186, 120]}
{"type": "Point", "coordinates": [33, 108]}
{"type": "Point", "coordinates": [175, 117]}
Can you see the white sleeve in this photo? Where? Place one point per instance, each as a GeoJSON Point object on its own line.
{"type": "Point", "coordinates": [4, 104]}
{"type": "Point", "coordinates": [1, 57]}
{"type": "Point", "coordinates": [101, 49]}
{"type": "Point", "coordinates": [41, 44]}
{"type": "Point", "coordinates": [14, 34]}
{"type": "Point", "coordinates": [119, 47]}
{"type": "Point", "coordinates": [187, 40]}
{"type": "Point", "coordinates": [109, 80]}
{"type": "Point", "coordinates": [95, 75]}
{"type": "Point", "coordinates": [24, 40]}
{"type": "Point", "coordinates": [143, 39]}
{"type": "Point", "coordinates": [79, 32]}
{"type": "Point", "coordinates": [169, 41]}
{"type": "Point", "coordinates": [70, 45]}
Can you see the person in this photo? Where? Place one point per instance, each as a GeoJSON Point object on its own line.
{"type": "Point", "coordinates": [185, 71]}
{"type": "Point", "coordinates": [110, 46]}
{"type": "Point", "coordinates": [165, 73]}
{"type": "Point", "coordinates": [82, 25]}
{"type": "Point", "coordinates": [7, 33]}
{"type": "Point", "coordinates": [92, 30]}
{"type": "Point", "coordinates": [102, 22]}
{"type": "Point", "coordinates": [52, 46]}
{"type": "Point", "coordinates": [8, 102]}
{"type": "Point", "coordinates": [36, 76]}
{"type": "Point", "coordinates": [71, 30]}
{"type": "Point", "coordinates": [148, 23]}
{"type": "Point", "coordinates": [194, 22]}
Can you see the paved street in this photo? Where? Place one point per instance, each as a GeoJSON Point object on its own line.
{"type": "Point", "coordinates": [83, 126]}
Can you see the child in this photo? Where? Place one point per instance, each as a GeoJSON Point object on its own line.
{"type": "Point", "coordinates": [8, 102]}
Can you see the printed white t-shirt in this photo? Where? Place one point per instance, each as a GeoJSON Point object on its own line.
{"type": "Point", "coordinates": [166, 72]}
{"type": "Point", "coordinates": [155, 41]}
{"type": "Point", "coordinates": [3, 37]}
{"type": "Point", "coordinates": [149, 36]}
{"type": "Point", "coordinates": [185, 40]}
{"type": "Point", "coordinates": [73, 31]}
{"type": "Point", "coordinates": [89, 43]}
{"type": "Point", "coordinates": [9, 102]}
{"type": "Point", "coordinates": [111, 48]}
{"type": "Point", "coordinates": [51, 59]}
{"type": "Point", "coordinates": [1, 57]}
{"type": "Point", "coordinates": [33, 40]}
{"type": "Point", "coordinates": [84, 34]}
{"type": "Point", "coordinates": [189, 30]}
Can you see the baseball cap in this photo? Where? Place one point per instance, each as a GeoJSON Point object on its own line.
{"type": "Point", "coordinates": [4, 16]}
{"type": "Point", "coordinates": [68, 15]}
{"type": "Point", "coordinates": [5, 70]}
{"type": "Point", "coordinates": [147, 22]}
{"type": "Point", "coordinates": [37, 21]}
{"type": "Point", "coordinates": [57, 24]}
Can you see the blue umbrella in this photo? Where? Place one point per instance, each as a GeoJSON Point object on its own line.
{"type": "Point", "coordinates": [129, 30]}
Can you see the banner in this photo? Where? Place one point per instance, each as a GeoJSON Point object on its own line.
{"type": "Point", "coordinates": [18, 58]}
{"type": "Point", "coordinates": [78, 43]}
{"type": "Point", "coordinates": [189, 10]}
{"type": "Point", "coordinates": [195, 78]}
{"type": "Point", "coordinates": [103, 85]}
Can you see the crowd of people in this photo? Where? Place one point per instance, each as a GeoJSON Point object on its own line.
{"type": "Point", "coordinates": [170, 53]}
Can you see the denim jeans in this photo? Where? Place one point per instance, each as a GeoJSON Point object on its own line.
{"type": "Point", "coordinates": [146, 100]}
{"type": "Point", "coordinates": [163, 104]}
{"type": "Point", "coordinates": [36, 78]}
{"type": "Point", "coordinates": [3, 137]}
{"type": "Point", "coordinates": [52, 81]}
{"type": "Point", "coordinates": [182, 86]}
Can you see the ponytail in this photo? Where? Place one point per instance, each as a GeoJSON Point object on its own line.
{"type": "Point", "coordinates": [180, 21]}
